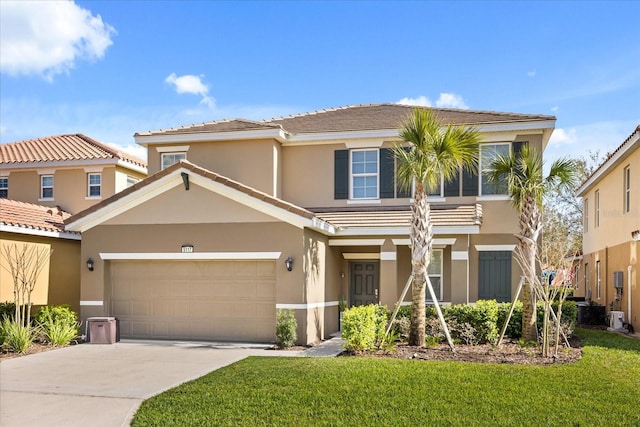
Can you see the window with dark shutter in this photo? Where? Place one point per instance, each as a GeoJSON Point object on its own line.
{"type": "Point", "coordinates": [403, 192]}
{"type": "Point", "coordinates": [341, 174]}
{"type": "Point", "coordinates": [469, 183]}
{"type": "Point", "coordinates": [452, 186]}
{"type": "Point", "coordinates": [387, 173]}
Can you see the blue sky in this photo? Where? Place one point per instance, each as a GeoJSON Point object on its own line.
{"type": "Point", "coordinates": [109, 69]}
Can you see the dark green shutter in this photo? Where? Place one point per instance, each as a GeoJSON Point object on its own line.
{"type": "Point", "coordinates": [387, 173]}
{"type": "Point", "coordinates": [341, 174]}
{"type": "Point", "coordinates": [452, 187]}
{"type": "Point", "coordinates": [401, 191]}
{"type": "Point", "coordinates": [517, 148]}
{"type": "Point", "coordinates": [469, 183]}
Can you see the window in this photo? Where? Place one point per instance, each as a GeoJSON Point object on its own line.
{"type": "Point", "coordinates": [169, 159]}
{"type": "Point", "coordinates": [364, 174]}
{"type": "Point", "coordinates": [598, 279]}
{"type": "Point", "coordinates": [131, 181]}
{"type": "Point", "coordinates": [488, 153]}
{"type": "Point", "coordinates": [94, 185]}
{"type": "Point", "coordinates": [585, 211]}
{"type": "Point", "coordinates": [46, 187]}
{"type": "Point", "coordinates": [435, 274]}
{"type": "Point", "coordinates": [576, 280]}
{"type": "Point", "coordinates": [4, 187]}
{"type": "Point", "coordinates": [627, 189]}
{"type": "Point", "coordinates": [597, 210]}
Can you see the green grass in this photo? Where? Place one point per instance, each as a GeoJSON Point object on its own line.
{"type": "Point", "coordinates": [603, 388]}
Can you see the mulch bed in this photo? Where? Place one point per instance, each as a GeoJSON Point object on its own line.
{"type": "Point", "coordinates": [509, 352]}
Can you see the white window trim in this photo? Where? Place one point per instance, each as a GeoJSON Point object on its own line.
{"type": "Point", "coordinates": [597, 209]}
{"type": "Point", "coordinates": [89, 185]}
{"type": "Point", "coordinates": [42, 187]}
{"type": "Point", "coordinates": [440, 275]}
{"type": "Point", "coordinates": [626, 202]}
{"type": "Point", "coordinates": [585, 210]}
{"type": "Point", "coordinates": [598, 280]}
{"type": "Point", "coordinates": [351, 176]}
{"type": "Point", "coordinates": [162, 156]}
{"type": "Point", "coordinates": [173, 149]}
{"type": "Point", "coordinates": [480, 168]}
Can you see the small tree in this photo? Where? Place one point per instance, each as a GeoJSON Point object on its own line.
{"type": "Point", "coordinates": [24, 262]}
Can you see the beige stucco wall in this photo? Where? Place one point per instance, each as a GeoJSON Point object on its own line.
{"type": "Point", "coordinates": [59, 282]}
{"type": "Point", "coordinates": [615, 225]}
{"type": "Point", "coordinates": [69, 186]}
{"type": "Point", "coordinates": [251, 162]}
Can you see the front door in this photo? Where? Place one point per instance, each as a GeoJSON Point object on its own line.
{"type": "Point", "coordinates": [364, 282]}
{"type": "Point", "coordinates": [494, 281]}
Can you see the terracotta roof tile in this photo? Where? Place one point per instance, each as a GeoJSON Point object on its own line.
{"type": "Point", "coordinates": [61, 148]}
{"type": "Point", "coordinates": [30, 216]}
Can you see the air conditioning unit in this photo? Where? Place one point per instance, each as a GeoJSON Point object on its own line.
{"type": "Point", "coordinates": [616, 319]}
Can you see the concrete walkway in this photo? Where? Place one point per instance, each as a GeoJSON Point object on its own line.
{"type": "Point", "coordinates": [103, 385]}
{"type": "Point", "coordinates": [329, 348]}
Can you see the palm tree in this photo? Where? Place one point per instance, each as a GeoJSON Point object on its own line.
{"type": "Point", "coordinates": [523, 175]}
{"type": "Point", "coordinates": [434, 153]}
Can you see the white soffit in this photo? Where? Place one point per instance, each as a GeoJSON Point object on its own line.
{"type": "Point", "coordinates": [43, 233]}
{"type": "Point", "coordinates": [488, 248]}
{"type": "Point", "coordinates": [356, 242]}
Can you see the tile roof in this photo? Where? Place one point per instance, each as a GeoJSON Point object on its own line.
{"type": "Point", "coordinates": [30, 216]}
{"type": "Point", "coordinates": [61, 148]}
{"type": "Point", "coordinates": [232, 125]}
{"type": "Point", "coordinates": [443, 215]}
{"type": "Point", "coordinates": [352, 118]}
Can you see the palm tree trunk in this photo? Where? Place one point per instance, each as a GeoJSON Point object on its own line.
{"type": "Point", "coordinates": [530, 230]}
{"type": "Point", "coordinates": [421, 236]}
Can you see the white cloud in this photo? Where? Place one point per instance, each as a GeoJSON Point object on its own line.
{"type": "Point", "coordinates": [446, 100]}
{"type": "Point", "coordinates": [451, 100]}
{"type": "Point", "coordinates": [563, 136]}
{"type": "Point", "coordinates": [555, 108]}
{"type": "Point", "coordinates": [47, 38]}
{"type": "Point", "coordinates": [421, 101]}
{"type": "Point", "coordinates": [532, 73]}
{"type": "Point", "coordinates": [193, 85]}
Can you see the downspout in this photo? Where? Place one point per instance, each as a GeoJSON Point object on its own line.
{"type": "Point", "coordinates": [629, 271]}
{"type": "Point", "coordinates": [468, 260]}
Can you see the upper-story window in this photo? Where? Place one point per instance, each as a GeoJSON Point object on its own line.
{"type": "Point", "coordinates": [46, 187]}
{"type": "Point", "coordinates": [488, 153]}
{"type": "Point", "coordinates": [364, 174]}
{"type": "Point", "coordinates": [169, 159]}
{"type": "Point", "coordinates": [94, 185]}
{"type": "Point", "coordinates": [627, 189]}
{"type": "Point", "coordinates": [131, 181]}
{"type": "Point", "coordinates": [4, 187]}
{"type": "Point", "coordinates": [585, 212]}
{"type": "Point", "coordinates": [597, 208]}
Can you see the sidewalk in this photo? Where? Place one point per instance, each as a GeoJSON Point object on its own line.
{"type": "Point", "coordinates": [329, 348]}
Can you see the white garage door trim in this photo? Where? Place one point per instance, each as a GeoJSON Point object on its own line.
{"type": "Point", "coordinates": [194, 256]}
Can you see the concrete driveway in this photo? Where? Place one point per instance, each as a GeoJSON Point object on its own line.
{"type": "Point", "coordinates": [103, 385]}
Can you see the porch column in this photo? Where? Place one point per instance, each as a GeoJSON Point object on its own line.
{"type": "Point", "coordinates": [460, 272]}
{"type": "Point", "coordinates": [388, 274]}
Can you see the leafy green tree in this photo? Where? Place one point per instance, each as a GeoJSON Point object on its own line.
{"type": "Point", "coordinates": [434, 153]}
{"type": "Point", "coordinates": [523, 173]}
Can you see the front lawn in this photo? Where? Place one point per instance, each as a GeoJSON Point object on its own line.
{"type": "Point", "coordinates": [603, 388]}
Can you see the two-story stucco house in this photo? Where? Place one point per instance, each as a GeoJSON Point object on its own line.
{"type": "Point", "coordinates": [42, 182]}
{"type": "Point", "coordinates": [608, 271]}
{"type": "Point", "coordinates": [239, 218]}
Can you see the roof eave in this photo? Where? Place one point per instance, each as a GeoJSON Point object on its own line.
{"type": "Point", "coordinates": [145, 140]}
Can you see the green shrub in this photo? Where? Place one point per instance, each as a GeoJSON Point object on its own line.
{"type": "Point", "coordinates": [481, 316]}
{"type": "Point", "coordinates": [286, 326]}
{"type": "Point", "coordinates": [514, 329]}
{"type": "Point", "coordinates": [57, 324]}
{"type": "Point", "coordinates": [7, 309]}
{"type": "Point", "coordinates": [361, 327]}
{"type": "Point", "coordinates": [17, 337]}
{"type": "Point", "coordinates": [57, 313]}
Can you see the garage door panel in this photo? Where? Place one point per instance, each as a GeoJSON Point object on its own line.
{"type": "Point", "coordinates": [216, 300]}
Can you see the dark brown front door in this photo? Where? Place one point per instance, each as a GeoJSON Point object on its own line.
{"type": "Point", "coordinates": [364, 282]}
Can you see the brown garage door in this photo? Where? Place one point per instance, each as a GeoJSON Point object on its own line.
{"type": "Point", "coordinates": [196, 300]}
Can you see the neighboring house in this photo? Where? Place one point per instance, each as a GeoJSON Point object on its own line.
{"type": "Point", "coordinates": [239, 218]}
{"type": "Point", "coordinates": [72, 172]}
{"type": "Point", "coordinates": [43, 181]}
{"type": "Point", "coordinates": [59, 282]}
{"type": "Point", "coordinates": [611, 236]}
